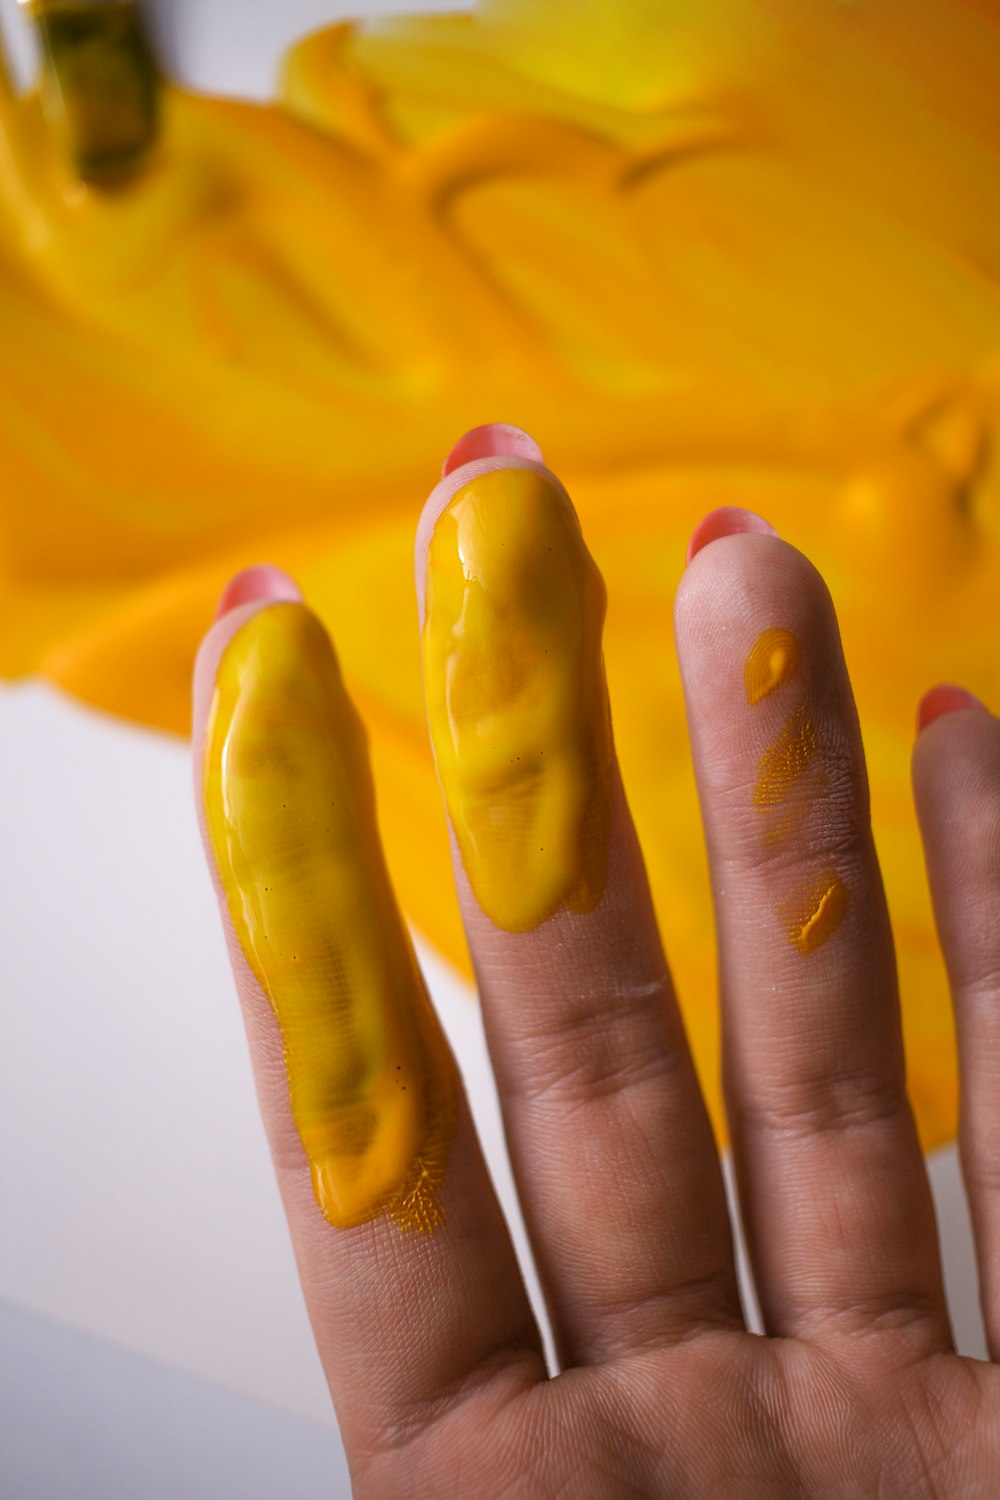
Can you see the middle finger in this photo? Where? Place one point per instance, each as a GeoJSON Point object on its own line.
{"type": "Point", "coordinates": [609, 1136]}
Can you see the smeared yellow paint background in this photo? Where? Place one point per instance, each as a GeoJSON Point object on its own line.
{"type": "Point", "coordinates": [745, 252]}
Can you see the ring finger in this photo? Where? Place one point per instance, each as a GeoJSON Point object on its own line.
{"type": "Point", "coordinates": [837, 1207]}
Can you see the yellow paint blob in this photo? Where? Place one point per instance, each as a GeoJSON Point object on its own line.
{"type": "Point", "coordinates": [290, 809]}
{"type": "Point", "coordinates": [774, 658]}
{"type": "Point", "coordinates": [786, 761]}
{"type": "Point", "coordinates": [816, 917]}
{"type": "Point", "coordinates": [516, 696]}
{"type": "Point", "coordinates": [741, 253]}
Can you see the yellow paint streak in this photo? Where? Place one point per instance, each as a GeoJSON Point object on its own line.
{"type": "Point", "coordinates": [290, 809]}
{"type": "Point", "coordinates": [774, 658]}
{"type": "Point", "coordinates": [817, 917]}
{"type": "Point", "coordinates": [784, 762]}
{"type": "Point", "coordinates": [516, 697]}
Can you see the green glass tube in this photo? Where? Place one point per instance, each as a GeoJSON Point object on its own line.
{"type": "Point", "coordinates": [98, 84]}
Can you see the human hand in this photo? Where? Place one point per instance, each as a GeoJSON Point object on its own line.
{"type": "Point", "coordinates": [428, 1342]}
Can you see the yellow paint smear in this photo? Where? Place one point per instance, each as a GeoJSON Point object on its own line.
{"type": "Point", "coordinates": [774, 658]}
{"type": "Point", "coordinates": [516, 697]}
{"type": "Point", "coordinates": [784, 763]}
{"type": "Point", "coordinates": [290, 809]}
{"type": "Point", "coordinates": [819, 915]}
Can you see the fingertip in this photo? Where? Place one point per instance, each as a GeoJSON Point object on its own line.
{"type": "Point", "coordinates": [495, 445]}
{"type": "Point", "coordinates": [945, 698]}
{"type": "Point", "coordinates": [261, 582]}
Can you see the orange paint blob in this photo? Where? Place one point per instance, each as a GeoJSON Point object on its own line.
{"type": "Point", "coordinates": [774, 658]}
{"type": "Point", "coordinates": [816, 917]}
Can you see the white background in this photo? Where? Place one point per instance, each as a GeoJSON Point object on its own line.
{"type": "Point", "coordinates": [225, 46]}
{"type": "Point", "coordinates": [139, 1210]}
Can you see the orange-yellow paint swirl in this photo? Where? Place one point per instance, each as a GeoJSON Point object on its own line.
{"type": "Point", "coordinates": [774, 658]}
{"type": "Point", "coordinates": [516, 697]}
{"type": "Point", "coordinates": [290, 810]}
{"type": "Point", "coordinates": [739, 252]}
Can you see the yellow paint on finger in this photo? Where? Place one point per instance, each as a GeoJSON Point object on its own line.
{"type": "Point", "coordinates": [774, 658]}
{"type": "Point", "coordinates": [818, 915]}
{"type": "Point", "coordinates": [785, 761]}
{"type": "Point", "coordinates": [290, 809]}
{"type": "Point", "coordinates": [516, 697]}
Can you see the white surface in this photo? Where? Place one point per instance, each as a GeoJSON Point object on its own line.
{"type": "Point", "coordinates": [225, 46]}
{"type": "Point", "coordinates": [83, 1420]}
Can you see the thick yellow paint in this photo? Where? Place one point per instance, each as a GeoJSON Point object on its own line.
{"type": "Point", "coordinates": [739, 252]}
{"type": "Point", "coordinates": [774, 658]}
{"type": "Point", "coordinates": [818, 914]}
{"type": "Point", "coordinates": [290, 809]}
{"type": "Point", "coordinates": [516, 697]}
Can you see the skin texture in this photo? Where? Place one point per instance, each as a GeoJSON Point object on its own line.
{"type": "Point", "coordinates": [429, 1345]}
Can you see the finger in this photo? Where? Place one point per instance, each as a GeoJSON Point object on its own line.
{"type": "Point", "coordinates": [411, 1283]}
{"type": "Point", "coordinates": [609, 1136]}
{"type": "Point", "coordinates": [956, 779]}
{"type": "Point", "coordinates": [834, 1192]}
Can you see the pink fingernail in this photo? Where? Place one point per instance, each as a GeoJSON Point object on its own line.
{"type": "Point", "coordinates": [728, 520]}
{"type": "Point", "coordinates": [493, 440]}
{"type": "Point", "coordinates": [260, 582]}
{"type": "Point", "coordinates": [946, 698]}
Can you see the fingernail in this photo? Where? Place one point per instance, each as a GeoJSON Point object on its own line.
{"type": "Point", "coordinates": [260, 582]}
{"type": "Point", "coordinates": [516, 698]}
{"type": "Point", "coordinates": [728, 520]}
{"type": "Point", "coordinates": [493, 440]}
{"type": "Point", "coordinates": [946, 698]}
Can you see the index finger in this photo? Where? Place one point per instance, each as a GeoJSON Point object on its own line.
{"type": "Point", "coordinates": [412, 1285]}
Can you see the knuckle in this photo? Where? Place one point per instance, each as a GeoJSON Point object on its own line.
{"type": "Point", "coordinates": [981, 1166]}
{"type": "Point", "coordinates": [500, 1378]}
{"type": "Point", "coordinates": [976, 965]}
{"type": "Point", "coordinates": [825, 817]}
{"type": "Point", "coordinates": [672, 1315]}
{"type": "Point", "coordinates": [596, 1050]}
{"type": "Point", "coordinates": [907, 1313]}
{"type": "Point", "coordinates": [824, 1103]}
